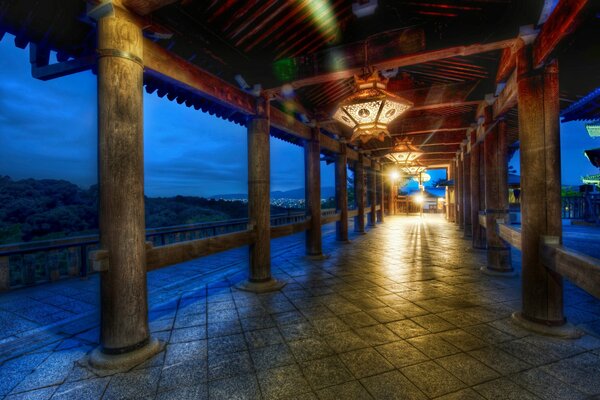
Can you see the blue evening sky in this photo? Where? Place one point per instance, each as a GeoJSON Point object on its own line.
{"type": "Point", "coordinates": [48, 130]}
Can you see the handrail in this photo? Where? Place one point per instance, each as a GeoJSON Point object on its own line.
{"type": "Point", "coordinates": [49, 260]}
{"type": "Point", "coordinates": [580, 269]}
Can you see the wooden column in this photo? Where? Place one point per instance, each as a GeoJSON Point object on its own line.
{"type": "Point", "coordinates": [4, 273]}
{"type": "Point", "coordinates": [312, 184]}
{"type": "Point", "coordinates": [477, 232]}
{"type": "Point", "coordinates": [381, 186]}
{"type": "Point", "coordinates": [372, 178]}
{"type": "Point", "coordinates": [124, 305]}
{"type": "Point", "coordinates": [539, 136]}
{"type": "Point", "coordinates": [341, 193]}
{"type": "Point", "coordinates": [466, 200]}
{"type": "Point", "coordinates": [451, 206]}
{"type": "Point", "coordinates": [359, 195]}
{"type": "Point", "coordinates": [496, 199]}
{"type": "Point", "coordinates": [459, 191]}
{"type": "Point", "coordinates": [392, 197]}
{"type": "Point", "coordinates": [259, 204]}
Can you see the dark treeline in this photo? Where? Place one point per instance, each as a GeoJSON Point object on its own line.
{"type": "Point", "coordinates": [35, 209]}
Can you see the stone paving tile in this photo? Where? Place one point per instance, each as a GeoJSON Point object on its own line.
{"type": "Point", "coordinates": [432, 379]}
{"type": "Point", "coordinates": [499, 360]}
{"type": "Point", "coordinates": [310, 349]}
{"type": "Point", "coordinates": [349, 390]}
{"type": "Point", "coordinates": [504, 389]}
{"type": "Point", "coordinates": [433, 346]}
{"type": "Point", "coordinates": [325, 372]}
{"type": "Point", "coordinates": [197, 392]}
{"type": "Point", "coordinates": [391, 386]}
{"type": "Point", "coordinates": [365, 362]}
{"type": "Point", "coordinates": [282, 382]}
{"type": "Point", "coordinates": [467, 369]}
{"type": "Point", "coordinates": [237, 388]}
{"type": "Point", "coordinates": [401, 354]}
{"type": "Point", "coordinates": [376, 324]}
{"type": "Point", "coordinates": [271, 356]}
{"type": "Point", "coordinates": [87, 389]}
{"type": "Point", "coordinates": [135, 384]}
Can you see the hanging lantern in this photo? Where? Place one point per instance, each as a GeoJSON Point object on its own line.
{"type": "Point", "coordinates": [413, 169]}
{"type": "Point", "coordinates": [370, 109]}
{"type": "Point", "coordinates": [404, 152]}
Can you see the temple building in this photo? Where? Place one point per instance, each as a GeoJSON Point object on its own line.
{"type": "Point", "coordinates": [456, 303]}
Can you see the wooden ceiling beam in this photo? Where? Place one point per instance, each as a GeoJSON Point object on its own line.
{"type": "Point", "coordinates": [413, 126]}
{"type": "Point", "coordinates": [403, 60]}
{"type": "Point", "coordinates": [145, 7]}
{"type": "Point", "coordinates": [563, 20]}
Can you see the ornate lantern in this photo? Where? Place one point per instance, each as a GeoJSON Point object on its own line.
{"type": "Point", "coordinates": [404, 152]}
{"type": "Point", "coordinates": [370, 109]}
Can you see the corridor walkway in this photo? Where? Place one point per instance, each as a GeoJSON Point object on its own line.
{"type": "Point", "coordinates": [402, 313]}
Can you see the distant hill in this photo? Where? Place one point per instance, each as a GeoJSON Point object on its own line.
{"type": "Point", "coordinates": [326, 192]}
{"type": "Point", "coordinates": [36, 209]}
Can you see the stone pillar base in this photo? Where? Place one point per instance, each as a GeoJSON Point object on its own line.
{"type": "Point", "coordinates": [508, 273]}
{"type": "Point", "coordinates": [102, 363]}
{"type": "Point", "coordinates": [564, 331]}
{"type": "Point", "coordinates": [272, 285]}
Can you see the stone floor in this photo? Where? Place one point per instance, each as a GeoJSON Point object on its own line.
{"type": "Point", "coordinates": [402, 312]}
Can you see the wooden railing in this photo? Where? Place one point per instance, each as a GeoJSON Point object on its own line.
{"type": "Point", "coordinates": [580, 269]}
{"type": "Point", "coordinates": [26, 264]}
{"type": "Point", "coordinates": [581, 207]}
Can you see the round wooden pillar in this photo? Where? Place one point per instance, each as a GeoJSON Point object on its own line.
{"type": "Point", "coordinates": [341, 193]}
{"type": "Point", "coordinates": [312, 185]}
{"type": "Point", "coordinates": [477, 232]}
{"type": "Point", "coordinates": [359, 195]}
{"type": "Point", "coordinates": [539, 136]}
{"type": "Point", "coordinates": [259, 204]}
{"type": "Point", "coordinates": [496, 199]}
{"type": "Point", "coordinates": [466, 198]}
{"type": "Point", "coordinates": [372, 178]}
{"type": "Point", "coordinates": [381, 186]}
{"type": "Point", "coordinates": [124, 333]}
{"type": "Point", "coordinates": [459, 192]}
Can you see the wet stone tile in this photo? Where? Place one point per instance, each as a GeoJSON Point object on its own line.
{"type": "Point", "coordinates": [345, 341]}
{"type": "Point", "coordinates": [325, 372]}
{"type": "Point", "coordinates": [238, 388]}
{"type": "Point", "coordinates": [310, 349]}
{"type": "Point", "coordinates": [87, 389]}
{"type": "Point", "coordinates": [503, 388]}
{"type": "Point", "coordinates": [283, 382]}
{"type": "Point", "coordinates": [183, 374]}
{"type": "Point", "coordinates": [271, 356]}
{"type": "Point", "coordinates": [407, 328]}
{"type": "Point", "coordinates": [197, 392]}
{"type": "Point", "coordinates": [401, 354]}
{"type": "Point", "coordinates": [392, 385]}
{"type": "Point", "coordinates": [349, 390]}
{"type": "Point", "coordinates": [433, 346]}
{"type": "Point", "coordinates": [229, 365]}
{"type": "Point", "coordinates": [188, 351]}
{"type": "Point", "coordinates": [467, 369]}
{"type": "Point", "coordinates": [376, 335]}
{"type": "Point", "coordinates": [358, 319]}
{"type": "Point", "coordinates": [365, 362]}
{"type": "Point", "coordinates": [432, 379]}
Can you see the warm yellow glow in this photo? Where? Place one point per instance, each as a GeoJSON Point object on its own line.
{"type": "Point", "coordinates": [395, 175]}
{"type": "Point", "coordinates": [419, 199]}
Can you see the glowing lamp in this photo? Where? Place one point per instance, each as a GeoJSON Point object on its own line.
{"type": "Point", "coordinates": [404, 153]}
{"type": "Point", "coordinates": [370, 109]}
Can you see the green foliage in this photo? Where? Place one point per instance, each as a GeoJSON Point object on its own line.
{"type": "Point", "coordinates": [32, 209]}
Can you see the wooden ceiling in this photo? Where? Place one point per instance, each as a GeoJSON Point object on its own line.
{"type": "Point", "coordinates": [444, 55]}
